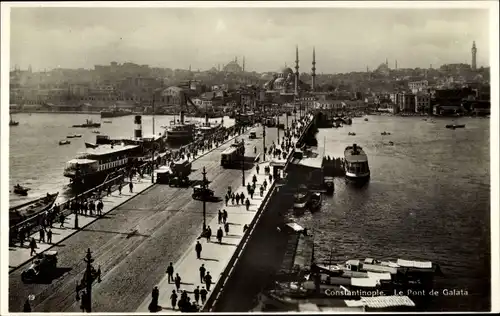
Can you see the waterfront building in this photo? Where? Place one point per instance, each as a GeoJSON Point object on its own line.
{"type": "Point", "coordinates": [417, 86]}
{"type": "Point", "coordinates": [422, 102]}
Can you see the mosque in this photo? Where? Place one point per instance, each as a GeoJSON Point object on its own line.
{"type": "Point", "coordinates": [286, 81]}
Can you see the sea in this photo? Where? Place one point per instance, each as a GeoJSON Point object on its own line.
{"type": "Point", "coordinates": [428, 197]}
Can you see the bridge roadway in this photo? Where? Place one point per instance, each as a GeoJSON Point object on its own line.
{"type": "Point", "coordinates": [133, 243]}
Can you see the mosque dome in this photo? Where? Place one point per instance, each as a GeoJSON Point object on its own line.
{"type": "Point", "coordinates": [286, 71]}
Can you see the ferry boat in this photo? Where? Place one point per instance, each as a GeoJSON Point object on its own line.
{"type": "Point", "coordinates": [115, 113]}
{"type": "Point", "coordinates": [300, 198]}
{"type": "Point", "coordinates": [206, 129]}
{"type": "Point", "coordinates": [180, 132]}
{"type": "Point", "coordinates": [356, 163]}
{"type": "Point", "coordinates": [94, 165]}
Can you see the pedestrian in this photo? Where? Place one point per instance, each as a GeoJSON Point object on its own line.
{"type": "Point", "coordinates": [208, 280]}
{"type": "Point", "coordinates": [120, 189]}
{"type": "Point", "coordinates": [177, 282]}
{"type": "Point", "coordinates": [232, 199]}
{"type": "Point", "coordinates": [242, 197]}
{"type": "Point", "coordinates": [49, 236]}
{"type": "Point", "coordinates": [226, 228]}
{"type": "Point", "coordinates": [257, 168]}
{"type": "Point", "coordinates": [245, 227]}
{"type": "Point", "coordinates": [270, 178]}
{"type": "Point", "coordinates": [153, 306]}
{"type": "Point", "coordinates": [173, 299]}
{"type": "Point", "coordinates": [219, 235]}
{"type": "Point", "coordinates": [261, 190]}
{"type": "Point", "coordinates": [227, 199]}
{"type": "Point", "coordinates": [170, 272]}
{"type": "Point", "coordinates": [61, 220]}
{"type": "Point", "coordinates": [198, 250]}
{"type": "Point", "coordinates": [247, 204]}
{"type": "Point", "coordinates": [101, 207]}
{"type": "Point", "coordinates": [42, 235]}
{"type": "Point", "coordinates": [184, 296]}
{"type": "Point", "coordinates": [203, 295]}
{"type": "Point", "coordinates": [251, 192]}
{"type": "Point", "coordinates": [220, 216]}
{"type": "Point", "coordinates": [224, 216]}
{"type": "Point", "coordinates": [196, 294]}
{"type": "Point", "coordinates": [209, 233]}
{"type": "Point", "coordinates": [109, 191]}
{"type": "Point", "coordinates": [130, 186]}
{"type": "Point", "coordinates": [202, 273]}
{"type": "Point", "coordinates": [33, 246]}
{"type": "Point", "coordinates": [237, 199]}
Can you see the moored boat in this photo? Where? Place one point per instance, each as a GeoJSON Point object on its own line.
{"type": "Point", "coordinates": [385, 133]}
{"type": "Point", "coordinates": [351, 134]}
{"type": "Point", "coordinates": [301, 197]}
{"type": "Point", "coordinates": [115, 113]}
{"type": "Point", "coordinates": [180, 132]}
{"type": "Point", "coordinates": [12, 122]}
{"type": "Point", "coordinates": [315, 201]}
{"type": "Point", "coordinates": [64, 142]}
{"type": "Point", "coordinates": [90, 145]}
{"type": "Point", "coordinates": [21, 212]}
{"type": "Point", "coordinates": [356, 163]}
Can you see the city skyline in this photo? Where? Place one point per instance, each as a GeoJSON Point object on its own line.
{"type": "Point", "coordinates": [202, 38]}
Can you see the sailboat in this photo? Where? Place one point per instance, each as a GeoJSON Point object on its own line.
{"type": "Point", "coordinates": [12, 122]}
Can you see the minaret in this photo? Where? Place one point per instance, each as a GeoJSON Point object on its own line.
{"type": "Point", "coordinates": [396, 64]}
{"type": "Point", "coordinates": [474, 52]}
{"type": "Point", "coordinates": [297, 70]}
{"type": "Point", "coordinates": [387, 62]}
{"type": "Point", "coordinates": [190, 68]}
{"type": "Point", "coordinates": [243, 64]}
{"type": "Point", "coordinates": [30, 69]}
{"type": "Point", "coordinates": [313, 73]}
{"type": "Point", "coordinates": [236, 59]}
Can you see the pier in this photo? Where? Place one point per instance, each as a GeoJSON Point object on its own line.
{"type": "Point", "coordinates": [141, 233]}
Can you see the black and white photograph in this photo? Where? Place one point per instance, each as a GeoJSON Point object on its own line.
{"type": "Point", "coordinates": [249, 157]}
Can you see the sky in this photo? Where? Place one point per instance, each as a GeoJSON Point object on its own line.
{"type": "Point", "coordinates": [345, 39]}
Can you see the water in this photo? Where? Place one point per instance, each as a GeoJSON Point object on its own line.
{"type": "Point", "coordinates": [36, 159]}
{"type": "Point", "coordinates": [428, 199]}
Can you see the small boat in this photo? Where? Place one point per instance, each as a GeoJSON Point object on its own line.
{"type": "Point", "coordinates": [18, 189]}
{"type": "Point", "coordinates": [91, 145]}
{"type": "Point", "coordinates": [300, 198]}
{"type": "Point", "coordinates": [26, 210]}
{"type": "Point", "coordinates": [77, 136]}
{"type": "Point", "coordinates": [64, 142]}
{"type": "Point", "coordinates": [88, 123]}
{"type": "Point", "coordinates": [107, 122]}
{"type": "Point", "coordinates": [330, 185]}
{"type": "Point", "coordinates": [96, 131]}
{"type": "Point", "coordinates": [391, 143]}
{"type": "Point", "coordinates": [351, 134]}
{"type": "Point", "coordinates": [12, 122]}
{"type": "Point", "coordinates": [385, 133]}
{"type": "Point", "coordinates": [453, 126]}
{"type": "Point", "coordinates": [314, 202]}
{"type": "Point", "coordinates": [366, 119]}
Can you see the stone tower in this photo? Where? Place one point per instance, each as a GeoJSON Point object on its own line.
{"type": "Point", "coordinates": [296, 70]}
{"type": "Point", "coordinates": [474, 52]}
{"type": "Point", "coordinates": [313, 73]}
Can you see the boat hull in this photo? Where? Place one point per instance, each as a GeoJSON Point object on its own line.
{"type": "Point", "coordinates": [114, 114]}
{"type": "Point", "coordinates": [21, 212]}
{"type": "Point", "coordinates": [358, 177]}
{"type": "Point", "coordinates": [81, 183]}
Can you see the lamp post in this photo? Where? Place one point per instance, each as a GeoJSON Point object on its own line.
{"type": "Point", "coordinates": [204, 173]}
{"type": "Point", "coordinates": [243, 162]}
{"type": "Point", "coordinates": [84, 289]}
{"type": "Point", "coordinates": [278, 126]}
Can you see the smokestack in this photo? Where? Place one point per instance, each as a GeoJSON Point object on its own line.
{"type": "Point", "coordinates": [138, 126]}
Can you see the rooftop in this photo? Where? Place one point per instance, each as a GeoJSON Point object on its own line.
{"type": "Point", "coordinates": [350, 156]}
{"type": "Point", "coordinates": [108, 149]}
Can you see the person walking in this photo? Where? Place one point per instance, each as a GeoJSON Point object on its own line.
{"type": "Point", "coordinates": [120, 189]}
{"type": "Point", "coordinates": [247, 204]}
{"type": "Point", "coordinates": [153, 306]}
{"type": "Point", "coordinates": [173, 299]}
{"type": "Point", "coordinates": [227, 199]}
{"type": "Point", "coordinates": [42, 235]}
{"type": "Point", "coordinates": [209, 233]}
{"type": "Point", "coordinates": [197, 294]}
{"type": "Point", "coordinates": [170, 272]}
{"type": "Point", "coordinates": [208, 280]}
{"type": "Point", "coordinates": [33, 246]}
{"type": "Point", "coordinates": [219, 218]}
{"type": "Point", "coordinates": [198, 249]}
{"type": "Point", "coordinates": [226, 228]}
{"type": "Point", "coordinates": [49, 236]}
{"type": "Point", "coordinates": [177, 282]}
{"type": "Point", "coordinates": [202, 272]}
{"type": "Point", "coordinates": [257, 168]}
{"type": "Point", "coordinates": [130, 186]}
{"type": "Point", "coordinates": [61, 220]}
{"type": "Point", "coordinates": [224, 216]}
{"type": "Point", "coordinates": [219, 235]}
{"type": "Point", "coordinates": [203, 295]}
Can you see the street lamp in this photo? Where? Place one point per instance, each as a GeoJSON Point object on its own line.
{"type": "Point", "coordinates": [278, 126]}
{"type": "Point", "coordinates": [204, 200]}
{"type": "Point", "coordinates": [243, 162]}
{"type": "Point", "coordinates": [84, 289]}
{"type": "Point", "coordinates": [76, 213]}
